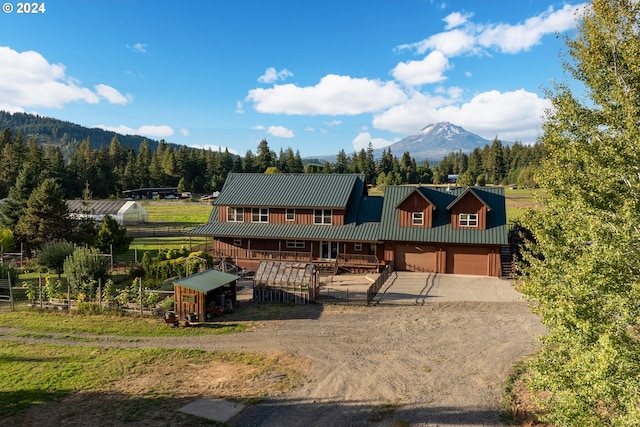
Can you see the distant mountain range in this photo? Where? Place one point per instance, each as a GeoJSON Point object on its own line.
{"type": "Point", "coordinates": [432, 143]}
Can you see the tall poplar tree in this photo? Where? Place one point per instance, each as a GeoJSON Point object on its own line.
{"type": "Point", "coordinates": [583, 271]}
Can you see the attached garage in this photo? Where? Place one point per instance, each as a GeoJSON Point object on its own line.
{"type": "Point", "coordinates": [474, 260]}
{"type": "Point", "coordinates": [414, 257]}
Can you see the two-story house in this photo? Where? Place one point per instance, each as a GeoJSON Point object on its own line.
{"type": "Point", "coordinates": [330, 219]}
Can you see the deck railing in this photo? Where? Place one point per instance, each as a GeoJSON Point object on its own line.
{"type": "Point", "coordinates": [297, 256]}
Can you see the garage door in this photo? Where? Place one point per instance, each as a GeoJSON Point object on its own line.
{"type": "Point", "coordinates": [468, 260]}
{"type": "Point", "coordinates": [415, 257]}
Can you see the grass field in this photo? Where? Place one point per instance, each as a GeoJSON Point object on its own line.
{"type": "Point", "coordinates": [518, 201]}
{"type": "Point", "coordinates": [180, 213]}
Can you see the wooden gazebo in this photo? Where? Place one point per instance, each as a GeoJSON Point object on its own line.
{"type": "Point", "coordinates": [201, 291]}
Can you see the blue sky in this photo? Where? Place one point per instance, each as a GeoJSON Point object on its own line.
{"type": "Point", "coordinates": [316, 76]}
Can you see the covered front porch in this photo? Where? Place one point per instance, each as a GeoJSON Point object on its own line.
{"type": "Point", "coordinates": [326, 255]}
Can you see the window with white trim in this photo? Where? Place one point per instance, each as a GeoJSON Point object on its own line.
{"type": "Point", "coordinates": [290, 214]}
{"type": "Point", "coordinates": [259, 215]}
{"type": "Point", "coordinates": [417, 218]}
{"type": "Point", "coordinates": [235, 214]}
{"type": "Point", "coordinates": [322, 216]}
{"type": "Point", "coordinates": [357, 247]}
{"type": "Point", "coordinates": [295, 244]}
{"type": "Point", "coordinates": [468, 220]}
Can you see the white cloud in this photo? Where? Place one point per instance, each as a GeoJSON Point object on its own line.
{"type": "Point", "coordinates": [184, 131]}
{"type": "Point", "coordinates": [28, 80]}
{"type": "Point", "coordinates": [258, 127]}
{"type": "Point", "coordinates": [280, 131]}
{"type": "Point", "coordinates": [456, 19]}
{"type": "Point", "coordinates": [363, 139]}
{"type": "Point", "coordinates": [309, 129]}
{"type": "Point", "coordinates": [516, 38]}
{"type": "Point", "coordinates": [509, 115]}
{"type": "Point", "coordinates": [427, 70]}
{"type": "Point", "coordinates": [333, 95]}
{"type": "Point", "coordinates": [271, 75]}
{"type": "Point", "coordinates": [112, 95]}
{"type": "Point", "coordinates": [506, 38]}
{"type": "Point", "coordinates": [333, 123]}
{"type": "Point", "coordinates": [239, 107]}
{"type": "Point", "coordinates": [138, 47]}
{"type": "Point", "coordinates": [150, 131]}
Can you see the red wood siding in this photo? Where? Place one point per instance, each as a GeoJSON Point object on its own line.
{"type": "Point", "coordinates": [415, 203]}
{"type": "Point", "coordinates": [469, 204]}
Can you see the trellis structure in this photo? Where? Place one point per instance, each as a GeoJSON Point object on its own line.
{"type": "Point", "coordinates": [290, 282]}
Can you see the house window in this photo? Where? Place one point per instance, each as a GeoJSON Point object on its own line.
{"type": "Point", "coordinates": [468, 220]}
{"type": "Point", "coordinates": [297, 244]}
{"type": "Point", "coordinates": [322, 216]}
{"type": "Point", "coordinates": [357, 247]}
{"type": "Point", "coordinates": [417, 218]}
{"type": "Point", "coordinates": [237, 242]}
{"type": "Point", "coordinates": [291, 214]}
{"type": "Point", "coordinates": [235, 214]}
{"type": "Point", "coordinates": [259, 215]}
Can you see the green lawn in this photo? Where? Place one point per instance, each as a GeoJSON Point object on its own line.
{"type": "Point", "coordinates": [178, 212]}
{"type": "Point", "coordinates": [518, 201]}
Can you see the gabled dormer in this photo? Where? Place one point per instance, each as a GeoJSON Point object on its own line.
{"type": "Point", "coordinates": [469, 211]}
{"type": "Point", "coordinates": [416, 210]}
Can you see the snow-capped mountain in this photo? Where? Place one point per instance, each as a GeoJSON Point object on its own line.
{"type": "Point", "coordinates": [435, 141]}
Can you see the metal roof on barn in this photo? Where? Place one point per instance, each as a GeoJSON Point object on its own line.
{"type": "Point", "coordinates": [206, 281]}
{"type": "Point", "coordinates": [96, 207]}
{"type": "Point", "coordinates": [289, 190]}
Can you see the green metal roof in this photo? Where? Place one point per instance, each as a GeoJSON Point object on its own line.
{"type": "Point", "coordinates": [289, 190]}
{"type": "Point", "coordinates": [442, 232]}
{"type": "Point", "coordinates": [207, 280]}
{"type": "Point", "coordinates": [367, 218]}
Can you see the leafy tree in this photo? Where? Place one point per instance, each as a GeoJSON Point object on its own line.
{"type": "Point", "coordinates": [46, 216]}
{"type": "Point", "coordinates": [7, 242]}
{"type": "Point", "coordinates": [53, 255]}
{"type": "Point", "coordinates": [585, 275]}
{"type": "Point", "coordinates": [111, 234]}
{"type": "Point", "coordinates": [84, 268]}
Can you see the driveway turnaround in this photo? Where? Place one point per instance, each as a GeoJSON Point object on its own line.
{"type": "Point", "coordinates": [408, 288]}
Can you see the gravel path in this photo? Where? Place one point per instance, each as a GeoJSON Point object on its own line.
{"type": "Point", "coordinates": [437, 364]}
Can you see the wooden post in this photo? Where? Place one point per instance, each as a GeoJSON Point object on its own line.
{"type": "Point", "coordinates": [140, 283]}
{"type": "Point", "coordinates": [100, 292]}
{"type": "Point", "coordinates": [39, 288]}
{"type": "Point", "coordinates": [10, 292]}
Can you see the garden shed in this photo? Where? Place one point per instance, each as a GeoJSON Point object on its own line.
{"type": "Point", "coordinates": [291, 282]}
{"type": "Point", "coordinates": [201, 293]}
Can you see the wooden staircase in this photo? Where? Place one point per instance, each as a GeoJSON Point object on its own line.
{"type": "Point", "coordinates": [506, 262]}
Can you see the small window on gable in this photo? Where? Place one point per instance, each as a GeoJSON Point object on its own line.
{"type": "Point", "coordinates": [291, 215]}
{"type": "Point", "coordinates": [417, 218]}
{"type": "Point", "coordinates": [235, 214]}
{"type": "Point", "coordinates": [357, 247]}
{"type": "Point", "coordinates": [468, 220]}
